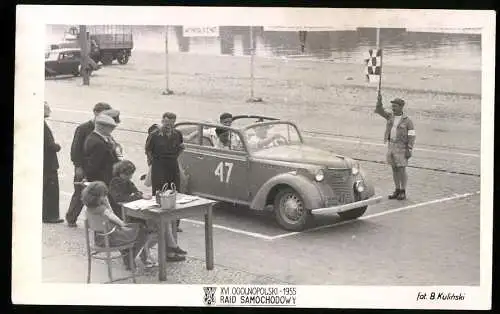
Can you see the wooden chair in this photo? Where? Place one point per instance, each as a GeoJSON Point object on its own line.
{"type": "Point", "coordinates": [94, 251]}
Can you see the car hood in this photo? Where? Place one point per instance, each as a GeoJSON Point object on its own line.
{"type": "Point", "coordinates": [304, 154]}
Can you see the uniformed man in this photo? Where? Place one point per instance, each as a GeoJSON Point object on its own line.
{"type": "Point", "coordinates": [400, 136]}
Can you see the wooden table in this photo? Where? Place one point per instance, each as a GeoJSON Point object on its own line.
{"type": "Point", "coordinates": [191, 209]}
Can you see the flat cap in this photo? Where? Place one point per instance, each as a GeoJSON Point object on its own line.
{"type": "Point", "coordinates": [101, 106]}
{"type": "Point", "coordinates": [113, 113]}
{"type": "Point", "coordinates": [398, 101]}
{"type": "Point", "coordinates": [103, 119]}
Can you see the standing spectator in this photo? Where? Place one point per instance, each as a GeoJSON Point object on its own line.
{"type": "Point", "coordinates": [400, 135]}
{"type": "Point", "coordinates": [117, 148]}
{"type": "Point", "coordinates": [151, 130]}
{"type": "Point", "coordinates": [50, 204]}
{"type": "Point", "coordinates": [99, 154]}
{"type": "Point", "coordinates": [163, 148]}
{"type": "Point", "coordinates": [81, 133]}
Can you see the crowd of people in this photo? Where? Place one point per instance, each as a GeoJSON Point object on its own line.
{"type": "Point", "coordinates": [103, 180]}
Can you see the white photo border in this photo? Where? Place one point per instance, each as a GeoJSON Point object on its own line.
{"type": "Point", "coordinates": [27, 287]}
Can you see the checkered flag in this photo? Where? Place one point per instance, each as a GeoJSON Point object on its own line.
{"type": "Point", "coordinates": [373, 61]}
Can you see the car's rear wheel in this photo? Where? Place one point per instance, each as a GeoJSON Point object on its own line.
{"type": "Point", "coordinates": [353, 213]}
{"type": "Point", "coordinates": [290, 211]}
{"type": "Point", "coordinates": [122, 57]}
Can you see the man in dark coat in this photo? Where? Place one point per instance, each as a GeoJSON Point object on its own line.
{"type": "Point", "coordinates": [50, 204]}
{"type": "Point", "coordinates": [163, 147]}
{"type": "Point", "coordinates": [99, 151]}
{"type": "Point", "coordinates": [81, 133]}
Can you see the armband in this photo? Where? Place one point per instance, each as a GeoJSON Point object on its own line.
{"type": "Point", "coordinates": [411, 132]}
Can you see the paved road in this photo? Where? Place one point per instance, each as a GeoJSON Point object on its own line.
{"type": "Point", "coordinates": [430, 239]}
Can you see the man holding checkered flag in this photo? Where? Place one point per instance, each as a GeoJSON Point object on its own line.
{"type": "Point", "coordinates": [399, 131]}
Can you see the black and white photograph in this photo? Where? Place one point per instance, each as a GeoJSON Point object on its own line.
{"type": "Point", "coordinates": [264, 159]}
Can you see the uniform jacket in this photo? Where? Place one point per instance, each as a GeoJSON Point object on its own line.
{"type": "Point", "coordinates": [81, 133]}
{"type": "Point", "coordinates": [50, 149]}
{"type": "Point", "coordinates": [99, 158]}
{"type": "Point", "coordinates": [405, 132]}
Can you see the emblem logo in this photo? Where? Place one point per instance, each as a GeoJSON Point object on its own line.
{"type": "Point", "coordinates": [209, 298]}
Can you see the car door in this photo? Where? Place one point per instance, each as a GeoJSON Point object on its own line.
{"type": "Point", "coordinates": [218, 173]}
{"type": "Point", "coordinates": [64, 63]}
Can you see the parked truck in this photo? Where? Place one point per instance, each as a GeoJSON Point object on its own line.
{"type": "Point", "coordinates": [106, 42]}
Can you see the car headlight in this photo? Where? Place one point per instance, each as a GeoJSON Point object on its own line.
{"type": "Point", "coordinates": [359, 186]}
{"type": "Point", "coordinates": [355, 169]}
{"type": "Point", "coordinates": [320, 175]}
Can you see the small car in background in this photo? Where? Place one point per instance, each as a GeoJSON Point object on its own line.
{"type": "Point", "coordinates": [66, 61]}
{"type": "Point", "coordinates": [267, 166]}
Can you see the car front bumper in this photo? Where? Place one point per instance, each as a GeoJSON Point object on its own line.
{"type": "Point", "coordinates": [345, 207]}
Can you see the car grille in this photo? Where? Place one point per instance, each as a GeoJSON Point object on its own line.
{"type": "Point", "coordinates": [341, 182]}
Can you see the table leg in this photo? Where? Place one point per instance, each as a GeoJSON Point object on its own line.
{"type": "Point", "coordinates": [173, 224]}
{"type": "Point", "coordinates": [162, 258]}
{"type": "Point", "coordinates": [209, 241]}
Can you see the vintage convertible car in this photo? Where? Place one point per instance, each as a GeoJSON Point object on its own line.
{"type": "Point", "coordinates": [65, 61]}
{"type": "Point", "coordinates": [269, 167]}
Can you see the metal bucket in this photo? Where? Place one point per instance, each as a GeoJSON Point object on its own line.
{"type": "Point", "coordinates": [167, 198]}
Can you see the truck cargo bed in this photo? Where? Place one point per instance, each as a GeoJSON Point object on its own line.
{"type": "Point", "coordinates": [113, 41]}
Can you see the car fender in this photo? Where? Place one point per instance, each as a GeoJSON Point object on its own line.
{"type": "Point", "coordinates": [304, 186]}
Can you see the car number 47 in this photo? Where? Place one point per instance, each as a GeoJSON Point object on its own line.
{"type": "Point", "coordinates": [219, 171]}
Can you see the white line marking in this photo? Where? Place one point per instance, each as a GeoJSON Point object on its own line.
{"type": "Point", "coordinates": [250, 234]}
{"type": "Point", "coordinates": [392, 211]}
{"type": "Point", "coordinates": [196, 222]}
{"type": "Point", "coordinates": [328, 138]}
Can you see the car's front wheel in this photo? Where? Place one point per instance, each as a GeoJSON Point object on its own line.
{"type": "Point", "coordinates": [290, 211]}
{"type": "Point", "coordinates": [78, 70]}
{"type": "Point", "coordinates": [353, 213]}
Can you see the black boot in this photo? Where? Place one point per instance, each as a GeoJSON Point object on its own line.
{"type": "Point", "coordinates": [402, 195]}
{"type": "Point", "coordinates": [395, 194]}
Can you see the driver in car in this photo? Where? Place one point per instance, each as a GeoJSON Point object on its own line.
{"type": "Point", "coordinates": [261, 139]}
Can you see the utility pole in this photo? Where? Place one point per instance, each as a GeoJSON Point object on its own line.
{"type": "Point", "coordinates": [252, 57]}
{"type": "Point", "coordinates": [84, 51]}
{"type": "Point", "coordinates": [381, 56]}
{"type": "Point", "coordinates": [167, 90]}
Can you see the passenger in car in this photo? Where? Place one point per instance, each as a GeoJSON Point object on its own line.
{"type": "Point", "coordinates": [261, 138]}
{"type": "Point", "coordinates": [222, 140]}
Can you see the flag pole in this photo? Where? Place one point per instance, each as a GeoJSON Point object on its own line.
{"type": "Point", "coordinates": [381, 56]}
{"type": "Point", "coordinates": [167, 90]}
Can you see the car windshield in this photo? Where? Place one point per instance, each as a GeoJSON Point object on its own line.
{"type": "Point", "coordinates": [265, 136]}
{"type": "Point", "coordinates": [51, 55]}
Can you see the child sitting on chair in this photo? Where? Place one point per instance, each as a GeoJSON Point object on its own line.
{"type": "Point", "coordinates": [123, 190]}
{"type": "Point", "coordinates": [99, 212]}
